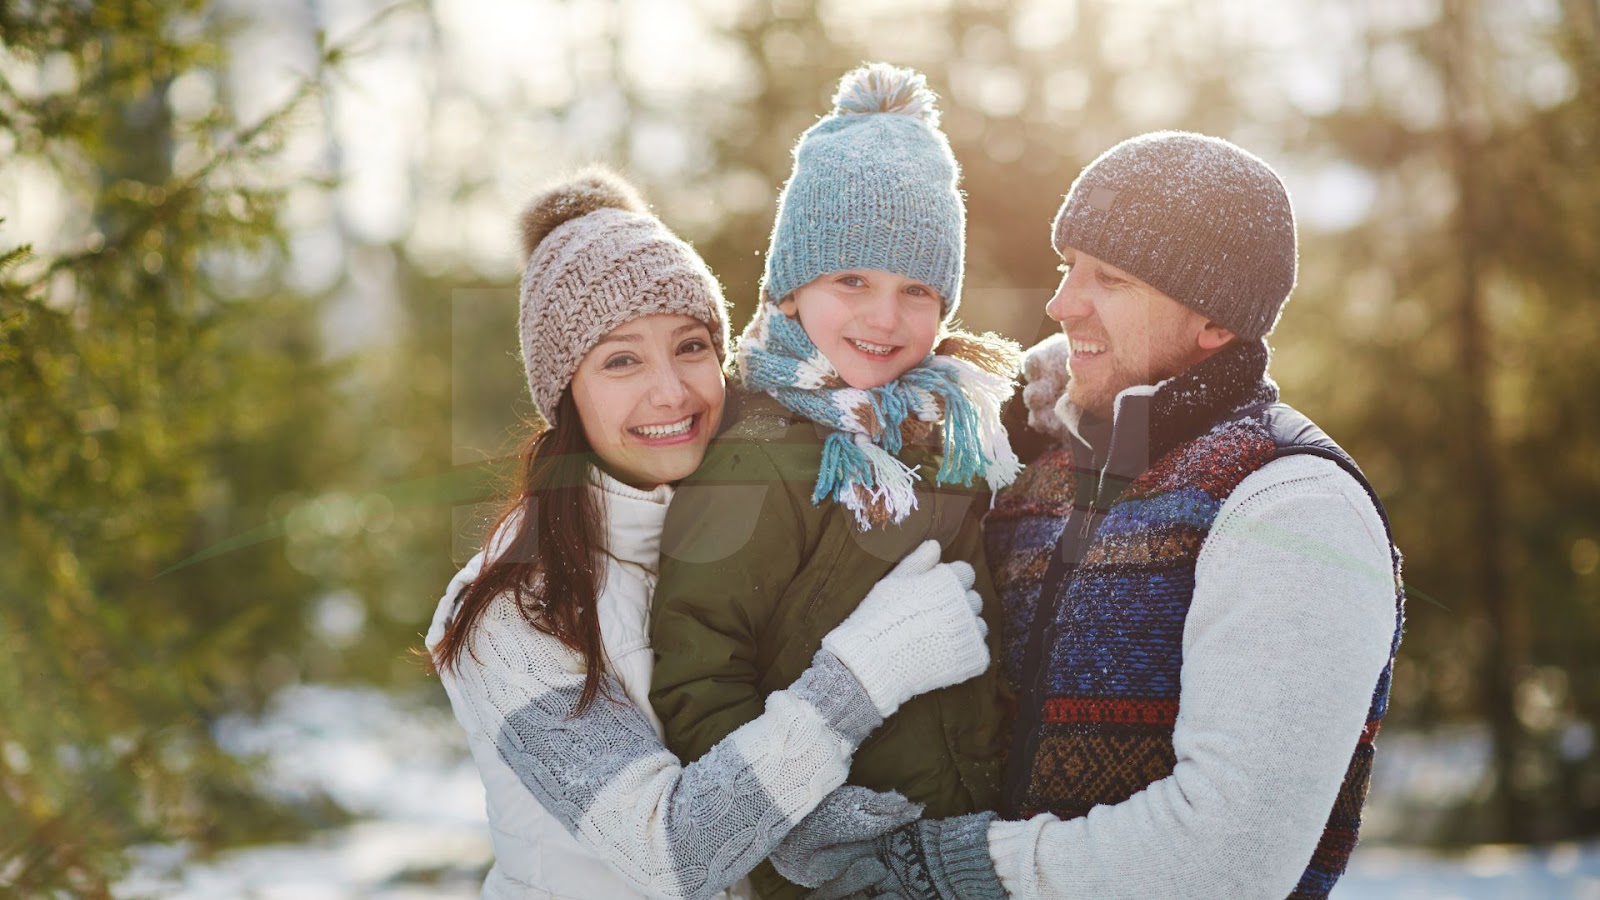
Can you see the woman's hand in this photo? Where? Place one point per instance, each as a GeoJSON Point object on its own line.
{"type": "Point", "coordinates": [918, 629]}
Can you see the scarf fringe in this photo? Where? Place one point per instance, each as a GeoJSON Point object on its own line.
{"type": "Point", "coordinates": [988, 392]}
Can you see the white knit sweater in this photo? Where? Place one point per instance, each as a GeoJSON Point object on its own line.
{"type": "Point", "coordinates": [594, 806]}
{"type": "Point", "coordinates": [1290, 624]}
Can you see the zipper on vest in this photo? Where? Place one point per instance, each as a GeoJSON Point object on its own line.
{"type": "Point", "coordinates": [1063, 563]}
{"type": "Point", "coordinates": [1030, 715]}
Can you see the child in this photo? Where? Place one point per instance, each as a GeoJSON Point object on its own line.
{"type": "Point", "coordinates": [859, 439]}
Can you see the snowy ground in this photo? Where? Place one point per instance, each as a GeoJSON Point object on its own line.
{"type": "Point", "coordinates": [401, 767]}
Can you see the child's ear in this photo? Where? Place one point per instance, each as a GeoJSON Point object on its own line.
{"type": "Point", "coordinates": [787, 306]}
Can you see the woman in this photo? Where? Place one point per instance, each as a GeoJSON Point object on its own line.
{"type": "Point", "coordinates": [541, 639]}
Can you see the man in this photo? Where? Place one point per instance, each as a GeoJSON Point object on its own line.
{"type": "Point", "coordinates": [1202, 597]}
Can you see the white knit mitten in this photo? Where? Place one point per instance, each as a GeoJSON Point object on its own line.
{"type": "Point", "coordinates": [918, 629]}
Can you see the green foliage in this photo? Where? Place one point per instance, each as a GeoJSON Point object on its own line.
{"type": "Point", "coordinates": [1466, 355]}
{"type": "Point", "coordinates": [152, 404]}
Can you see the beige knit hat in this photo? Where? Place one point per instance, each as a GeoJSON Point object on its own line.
{"type": "Point", "coordinates": [596, 259]}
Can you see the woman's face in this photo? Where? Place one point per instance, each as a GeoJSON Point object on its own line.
{"type": "Point", "coordinates": [650, 397]}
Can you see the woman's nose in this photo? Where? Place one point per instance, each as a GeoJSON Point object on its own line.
{"type": "Point", "coordinates": [668, 388]}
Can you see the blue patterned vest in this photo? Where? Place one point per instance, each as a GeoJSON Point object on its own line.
{"type": "Point", "coordinates": [1095, 566]}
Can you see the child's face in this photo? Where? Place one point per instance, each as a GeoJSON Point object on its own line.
{"type": "Point", "coordinates": [871, 324]}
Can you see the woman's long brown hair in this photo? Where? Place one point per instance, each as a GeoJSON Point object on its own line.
{"type": "Point", "coordinates": [552, 561]}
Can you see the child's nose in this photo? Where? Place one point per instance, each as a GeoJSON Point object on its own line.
{"type": "Point", "coordinates": [881, 310]}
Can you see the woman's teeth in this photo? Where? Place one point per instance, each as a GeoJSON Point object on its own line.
{"type": "Point", "coordinates": [661, 431]}
{"type": "Point", "coordinates": [1086, 348]}
{"type": "Point", "coordinates": [869, 347]}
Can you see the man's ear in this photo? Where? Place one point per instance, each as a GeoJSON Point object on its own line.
{"type": "Point", "coordinates": [1214, 337]}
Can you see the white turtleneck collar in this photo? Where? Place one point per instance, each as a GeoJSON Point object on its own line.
{"type": "Point", "coordinates": [634, 518]}
{"type": "Point", "coordinates": [1083, 426]}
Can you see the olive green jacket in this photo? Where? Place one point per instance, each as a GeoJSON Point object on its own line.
{"type": "Point", "coordinates": [753, 575]}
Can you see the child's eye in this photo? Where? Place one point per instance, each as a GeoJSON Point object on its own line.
{"type": "Point", "coordinates": [921, 290]}
{"type": "Point", "coordinates": [621, 361]}
{"type": "Point", "coordinates": [852, 281]}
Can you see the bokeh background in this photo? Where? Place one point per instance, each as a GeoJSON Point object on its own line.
{"type": "Point", "coordinates": [258, 373]}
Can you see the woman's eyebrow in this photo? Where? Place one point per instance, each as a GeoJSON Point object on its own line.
{"type": "Point", "coordinates": [620, 338]}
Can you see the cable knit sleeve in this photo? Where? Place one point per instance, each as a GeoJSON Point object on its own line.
{"type": "Point", "coordinates": [667, 829]}
{"type": "Point", "coordinates": [1290, 625]}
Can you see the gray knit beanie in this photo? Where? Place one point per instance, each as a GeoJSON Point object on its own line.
{"type": "Point", "coordinates": [596, 259]}
{"type": "Point", "coordinates": [873, 187]}
{"type": "Point", "coordinates": [1198, 218]}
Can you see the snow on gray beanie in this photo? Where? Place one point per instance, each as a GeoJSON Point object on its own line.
{"type": "Point", "coordinates": [597, 259]}
{"type": "Point", "coordinates": [1198, 218]}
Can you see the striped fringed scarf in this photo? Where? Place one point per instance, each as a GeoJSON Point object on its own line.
{"type": "Point", "coordinates": [961, 385]}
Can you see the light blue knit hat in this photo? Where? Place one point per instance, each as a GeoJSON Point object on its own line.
{"type": "Point", "coordinates": [874, 187]}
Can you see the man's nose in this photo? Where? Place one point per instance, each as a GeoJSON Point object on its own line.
{"type": "Point", "coordinates": [1069, 301]}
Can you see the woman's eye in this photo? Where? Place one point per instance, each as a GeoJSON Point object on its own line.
{"type": "Point", "coordinates": [693, 346]}
{"type": "Point", "coordinates": [620, 361]}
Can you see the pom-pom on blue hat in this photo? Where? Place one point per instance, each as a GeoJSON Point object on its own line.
{"type": "Point", "coordinates": [873, 187]}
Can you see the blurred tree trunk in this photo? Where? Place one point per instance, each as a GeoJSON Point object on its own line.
{"type": "Point", "coordinates": [1505, 638]}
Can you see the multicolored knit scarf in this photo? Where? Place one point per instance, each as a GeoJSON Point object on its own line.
{"type": "Point", "coordinates": [961, 385]}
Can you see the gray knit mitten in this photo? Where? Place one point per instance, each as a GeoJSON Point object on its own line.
{"type": "Point", "coordinates": [941, 859]}
{"type": "Point", "coordinates": [918, 629]}
{"type": "Point", "coordinates": [840, 829]}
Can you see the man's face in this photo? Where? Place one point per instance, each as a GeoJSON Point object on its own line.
{"type": "Point", "coordinates": [1123, 332]}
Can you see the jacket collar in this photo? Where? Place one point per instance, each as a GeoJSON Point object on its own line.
{"type": "Point", "coordinates": [1148, 420]}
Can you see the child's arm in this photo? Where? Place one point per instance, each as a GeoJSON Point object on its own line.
{"type": "Point", "coordinates": [968, 547]}
{"type": "Point", "coordinates": [733, 541]}
{"type": "Point", "coordinates": [983, 766]}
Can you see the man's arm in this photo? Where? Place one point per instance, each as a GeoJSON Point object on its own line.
{"type": "Point", "coordinates": [1289, 628]}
